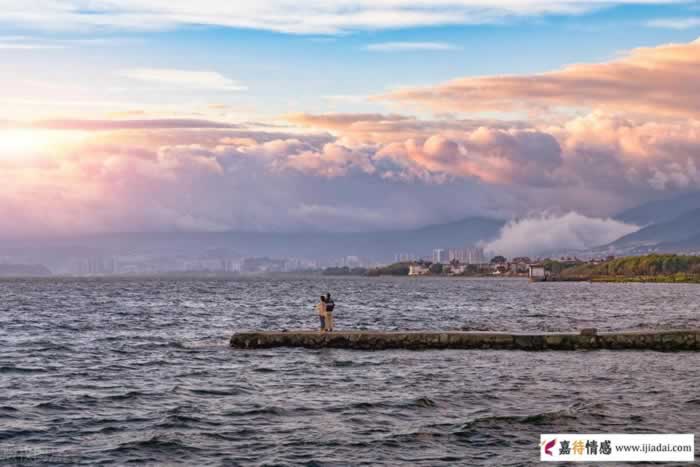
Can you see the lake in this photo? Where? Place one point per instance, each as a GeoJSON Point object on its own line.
{"type": "Point", "coordinates": [115, 371]}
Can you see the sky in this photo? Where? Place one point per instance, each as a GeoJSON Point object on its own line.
{"type": "Point", "coordinates": [172, 115]}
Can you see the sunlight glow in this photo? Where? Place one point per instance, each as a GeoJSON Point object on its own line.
{"type": "Point", "coordinates": [21, 142]}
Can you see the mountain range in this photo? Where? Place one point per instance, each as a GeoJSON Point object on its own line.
{"type": "Point", "coordinates": [669, 226]}
{"type": "Point", "coordinates": [381, 246]}
{"type": "Point", "coordinates": [660, 211]}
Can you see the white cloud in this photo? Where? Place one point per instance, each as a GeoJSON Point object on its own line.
{"type": "Point", "coordinates": [675, 23]}
{"type": "Point", "coordinates": [308, 17]}
{"type": "Point", "coordinates": [346, 98]}
{"type": "Point", "coordinates": [184, 78]}
{"type": "Point", "coordinates": [24, 43]}
{"type": "Point", "coordinates": [410, 46]}
{"type": "Point", "coordinates": [547, 233]}
{"type": "Point", "coordinates": [35, 46]}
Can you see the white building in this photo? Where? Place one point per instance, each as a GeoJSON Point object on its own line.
{"type": "Point", "coordinates": [417, 270]}
{"type": "Point", "coordinates": [404, 257]}
{"type": "Point", "coordinates": [439, 256]}
{"type": "Point", "coordinates": [536, 272]}
{"type": "Point", "coordinates": [468, 255]}
{"type": "Point", "coordinates": [475, 255]}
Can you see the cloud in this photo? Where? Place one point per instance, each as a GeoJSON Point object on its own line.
{"type": "Point", "coordinates": [28, 46]}
{"type": "Point", "coordinates": [599, 155]}
{"type": "Point", "coordinates": [309, 17]}
{"type": "Point", "coordinates": [132, 124]}
{"type": "Point", "coordinates": [653, 80]}
{"type": "Point", "coordinates": [209, 80]}
{"type": "Point", "coordinates": [146, 180]}
{"type": "Point", "coordinates": [30, 43]}
{"type": "Point", "coordinates": [410, 46]}
{"type": "Point", "coordinates": [594, 156]}
{"type": "Point", "coordinates": [548, 233]}
{"type": "Point", "coordinates": [366, 171]}
{"type": "Point", "coordinates": [345, 98]}
{"type": "Point", "coordinates": [490, 155]}
{"type": "Point", "coordinates": [675, 23]}
{"type": "Point", "coordinates": [621, 155]}
{"type": "Point", "coordinates": [343, 120]}
{"type": "Point", "coordinates": [387, 128]}
{"type": "Point", "coordinates": [333, 160]}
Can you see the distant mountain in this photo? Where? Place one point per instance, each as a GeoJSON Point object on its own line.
{"type": "Point", "coordinates": [688, 245]}
{"type": "Point", "coordinates": [23, 270]}
{"type": "Point", "coordinates": [682, 233]}
{"type": "Point", "coordinates": [660, 211]}
{"type": "Point", "coordinates": [382, 245]}
{"type": "Point", "coordinates": [454, 234]}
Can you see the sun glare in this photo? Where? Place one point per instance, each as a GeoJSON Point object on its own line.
{"type": "Point", "coordinates": [19, 141]}
{"type": "Point", "coordinates": [14, 143]}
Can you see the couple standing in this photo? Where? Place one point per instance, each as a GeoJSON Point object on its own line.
{"type": "Point", "coordinates": [325, 312]}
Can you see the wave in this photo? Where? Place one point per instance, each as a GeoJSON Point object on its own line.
{"type": "Point", "coordinates": [231, 436]}
{"type": "Point", "coordinates": [109, 430]}
{"type": "Point", "coordinates": [352, 363]}
{"type": "Point", "coordinates": [21, 370]}
{"type": "Point", "coordinates": [10, 433]}
{"type": "Point", "coordinates": [9, 412]}
{"type": "Point", "coordinates": [506, 422]}
{"type": "Point", "coordinates": [128, 395]}
{"type": "Point", "coordinates": [45, 345]}
{"type": "Point", "coordinates": [184, 422]}
{"type": "Point", "coordinates": [221, 392]}
{"type": "Point", "coordinates": [157, 443]}
{"type": "Point", "coordinates": [424, 402]}
{"type": "Point", "coordinates": [421, 402]}
{"type": "Point", "coordinates": [68, 403]}
{"type": "Point", "coordinates": [51, 405]}
{"type": "Point", "coordinates": [270, 410]}
{"type": "Point", "coordinates": [490, 431]}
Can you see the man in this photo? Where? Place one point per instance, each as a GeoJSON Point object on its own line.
{"type": "Point", "coordinates": [330, 305]}
{"type": "Point", "coordinates": [321, 308]}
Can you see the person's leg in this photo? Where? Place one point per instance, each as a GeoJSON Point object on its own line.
{"type": "Point", "coordinates": [329, 321]}
{"type": "Point", "coordinates": [323, 322]}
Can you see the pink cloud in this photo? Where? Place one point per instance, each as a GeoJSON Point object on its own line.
{"type": "Point", "coordinates": [333, 160]}
{"type": "Point", "coordinates": [376, 171]}
{"type": "Point", "coordinates": [654, 80]}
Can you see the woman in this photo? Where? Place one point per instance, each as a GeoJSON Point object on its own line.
{"type": "Point", "coordinates": [330, 305]}
{"type": "Point", "coordinates": [321, 308]}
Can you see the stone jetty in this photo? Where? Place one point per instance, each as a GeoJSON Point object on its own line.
{"type": "Point", "coordinates": [587, 339]}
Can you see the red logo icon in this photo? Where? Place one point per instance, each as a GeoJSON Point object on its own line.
{"type": "Point", "coordinates": [548, 447]}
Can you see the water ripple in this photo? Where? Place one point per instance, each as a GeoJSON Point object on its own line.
{"type": "Point", "coordinates": [120, 371]}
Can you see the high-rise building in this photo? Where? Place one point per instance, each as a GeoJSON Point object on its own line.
{"type": "Point", "coordinates": [468, 255]}
{"type": "Point", "coordinates": [96, 266]}
{"type": "Point", "coordinates": [475, 255]}
{"type": "Point", "coordinates": [458, 255]}
{"type": "Point", "coordinates": [404, 257]}
{"type": "Point", "coordinates": [439, 256]}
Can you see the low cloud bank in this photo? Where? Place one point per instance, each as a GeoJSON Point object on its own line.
{"type": "Point", "coordinates": [545, 233]}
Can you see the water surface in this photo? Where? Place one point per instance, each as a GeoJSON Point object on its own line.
{"type": "Point", "coordinates": [116, 371]}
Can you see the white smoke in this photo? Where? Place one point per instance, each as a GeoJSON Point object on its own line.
{"type": "Point", "coordinates": [546, 233]}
